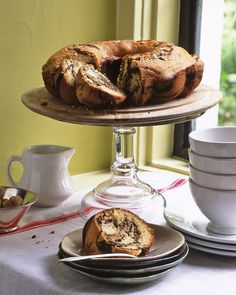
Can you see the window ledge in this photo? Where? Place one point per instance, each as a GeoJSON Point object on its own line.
{"type": "Point", "coordinates": [177, 165]}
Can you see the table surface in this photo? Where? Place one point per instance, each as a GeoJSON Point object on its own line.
{"type": "Point", "coordinates": [29, 263]}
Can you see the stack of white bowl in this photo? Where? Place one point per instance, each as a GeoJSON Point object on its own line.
{"type": "Point", "coordinates": [212, 180]}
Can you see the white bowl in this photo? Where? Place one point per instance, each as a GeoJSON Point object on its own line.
{"type": "Point", "coordinates": [213, 181]}
{"type": "Point", "coordinates": [219, 142]}
{"type": "Point", "coordinates": [212, 165]}
{"type": "Point", "coordinates": [219, 206]}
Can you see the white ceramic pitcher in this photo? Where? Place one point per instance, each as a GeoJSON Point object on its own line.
{"type": "Point", "coordinates": [45, 172]}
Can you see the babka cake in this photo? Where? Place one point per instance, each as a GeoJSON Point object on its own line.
{"type": "Point", "coordinates": [117, 71]}
{"type": "Point", "coordinates": [117, 230]}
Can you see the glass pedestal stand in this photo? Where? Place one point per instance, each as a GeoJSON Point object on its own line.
{"type": "Point", "coordinates": [123, 189]}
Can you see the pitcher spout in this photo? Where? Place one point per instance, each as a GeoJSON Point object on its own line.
{"type": "Point", "coordinates": [69, 152]}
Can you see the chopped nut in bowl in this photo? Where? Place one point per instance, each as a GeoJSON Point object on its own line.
{"type": "Point", "coordinates": [14, 203]}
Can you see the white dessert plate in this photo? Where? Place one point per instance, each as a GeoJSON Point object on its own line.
{"type": "Point", "coordinates": [134, 271]}
{"type": "Point", "coordinates": [133, 264]}
{"type": "Point", "coordinates": [195, 225]}
{"type": "Point", "coordinates": [205, 243]}
{"type": "Point", "coordinates": [126, 280]}
{"type": "Point", "coordinates": [166, 241]}
{"type": "Point", "coordinates": [212, 250]}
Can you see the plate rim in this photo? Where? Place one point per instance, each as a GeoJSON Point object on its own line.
{"type": "Point", "coordinates": [143, 269]}
{"type": "Point", "coordinates": [143, 258]}
{"type": "Point", "coordinates": [212, 250]}
{"type": "Point", "coordinates": [124, 280]}
{"type": "Point", "coordinates": [223, 239]}
{"type": "Point", "coordinates": [211, 244]}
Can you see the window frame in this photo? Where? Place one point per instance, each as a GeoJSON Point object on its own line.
{"type": "Point", "coordinates": [189, 38]}
{"type": "Point", "coordinates": [193, 19]}
{"type": "Point", "coordinates": [159, 19]}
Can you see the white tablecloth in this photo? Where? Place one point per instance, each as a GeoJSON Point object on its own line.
{"type": "Point", "coordinates": [29, 263]}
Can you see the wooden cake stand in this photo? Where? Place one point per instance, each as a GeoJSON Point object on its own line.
{"type": "Point", "coordinates": [123, 188]}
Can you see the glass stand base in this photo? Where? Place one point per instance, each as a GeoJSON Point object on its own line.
{"type": "Point", "coordinates": [150, 210]}
{"type": "Point", "coordinates": [119, 191]}
{"type": "Point", "coordinates": [123, 189]}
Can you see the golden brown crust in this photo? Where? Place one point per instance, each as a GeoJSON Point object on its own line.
{"type": "Point", "coordinates": [49, 69]}
{"type": "Point", "coordinates": [193, 76]}
{"type": "Point", "coordinates": [166, 71]}
{"type": "Point", "coordinates": [117, 230]}
{"type": "Point", "coordinates": [100, 52]}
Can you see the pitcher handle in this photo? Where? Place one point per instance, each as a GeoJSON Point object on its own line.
{"type": "Point", "coordinates": [9, 163]}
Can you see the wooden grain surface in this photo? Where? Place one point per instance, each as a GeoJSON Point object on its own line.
{"type": "Point", "coordinates": [40, 101]}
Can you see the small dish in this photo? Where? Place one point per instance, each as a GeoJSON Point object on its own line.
{"type": "Point", "coordinates": [166, 241]}
{"type": "Point", "coordinates": [11, 216]}
{"type": "Point", "coordinates": [124, 280]}
{"type": "Point", "coordinates": [158, 266]}
{"type": "Point", "coordinates": [135, 264]}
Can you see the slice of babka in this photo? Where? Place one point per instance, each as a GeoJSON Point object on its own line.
{"type": "Point", "coordinates": [159, 75]}
{"type": "Point", "coordinates": [95, 90]}
{"type": "Point", "coordinates": [117, 231]}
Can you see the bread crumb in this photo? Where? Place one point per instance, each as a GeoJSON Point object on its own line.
{"type": "Point", "coordinates": [44, 103]}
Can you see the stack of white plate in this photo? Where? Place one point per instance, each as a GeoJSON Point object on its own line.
{"type": "Point", "coordinates": [168, 251]}
{"type": "Point", "coordinates": [194, 228]}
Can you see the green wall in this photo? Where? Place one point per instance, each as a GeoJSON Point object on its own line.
{"type": "Point", "coordinates": [31, 30]}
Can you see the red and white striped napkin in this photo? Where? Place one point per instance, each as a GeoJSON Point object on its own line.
{"type": "Point", "coordinates": [44, 216]}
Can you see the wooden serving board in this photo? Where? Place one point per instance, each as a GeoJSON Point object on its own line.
{"type": "Point", "coordinates": [39, 100]}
